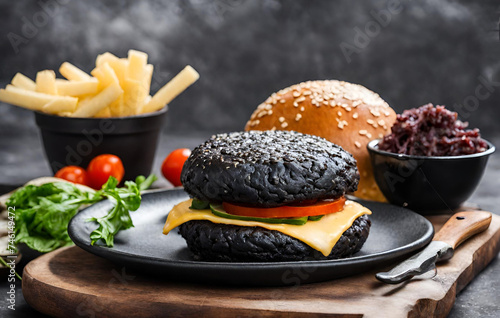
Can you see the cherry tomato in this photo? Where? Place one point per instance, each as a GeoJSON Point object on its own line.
{"type": "Point", "coordinates": [288, 211]}
{"type": "Point", "coordinates": [172, 165]}
{"type": "Point", "coordinates": [73, 174]}
{"type": "Point", "coordinates": [102, 167]}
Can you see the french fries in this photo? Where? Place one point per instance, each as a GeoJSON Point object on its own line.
{"type": "Point", "coordinates": [136, 64]}
{"type": "Point", "coordinates": [57, 106]}
{"type": "Point", "coordinates": [104, 113]}
{"type": "Point", "coordinates": [172, 89]}
{"type": "Point", "coordinates": [72, 72]}
{"type": "Point", "coordinates": [22, 81]}
{"type": "Point", "coordinates": [33, 100]}
{"type": "Point", "coordinates": [119, 65]}
{"type": "Point", "coordinates": [80, 88]}
{"type": "Point", "coordinates": [46, 82]}
{"type": "Point", "coordinates": [105, 76]}
{"type": "Point", "coordinates": [116, 87]}
{"type": "Point", "coordinates": [93, 105]}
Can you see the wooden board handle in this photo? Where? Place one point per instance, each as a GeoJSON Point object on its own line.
{"type": "Point", "coordinates": [463, 225]}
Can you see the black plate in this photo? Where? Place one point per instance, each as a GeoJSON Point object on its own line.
{"type": "Point", "coordinates": [395, 232]}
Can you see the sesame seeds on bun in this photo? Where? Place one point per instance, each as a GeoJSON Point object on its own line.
{"type": "Point", "coordinates": [346, 114]}
{"type": "Point", "coordinates": [268, 169]}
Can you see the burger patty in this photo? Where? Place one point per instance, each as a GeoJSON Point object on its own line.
{"type": "Point", "coordinates": [222, 242]}
{"type": "Point", "coordinates": [268, 168]}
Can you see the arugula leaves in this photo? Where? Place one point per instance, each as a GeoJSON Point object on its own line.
{"type": "Point", "coordinates": [43, 212]}
{"type": "Point", "coordinates": [124, 200]}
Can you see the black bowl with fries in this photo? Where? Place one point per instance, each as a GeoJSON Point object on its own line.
{"type": "Point", "coordinates": [109, 111]}
{"type": "Point", "coordinates": [75, 141]}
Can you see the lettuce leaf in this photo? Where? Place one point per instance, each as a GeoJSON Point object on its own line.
{"type": "Point", "coordinates": [42, 213]}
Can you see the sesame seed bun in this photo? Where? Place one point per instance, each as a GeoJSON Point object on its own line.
{"type": "Point", "coordinates": [346, 114]}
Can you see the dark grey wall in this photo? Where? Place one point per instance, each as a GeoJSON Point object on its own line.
{"type": "Point", "coordinates": [410, 52]}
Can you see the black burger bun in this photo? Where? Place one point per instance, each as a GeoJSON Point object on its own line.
{"type": "Point", "coordinates": [230, 243]}
{"type": "Point", "coordinates": [268, 169]}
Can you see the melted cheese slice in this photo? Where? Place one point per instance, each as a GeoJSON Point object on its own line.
{"type": "Point", "coordinates": [321, 235]}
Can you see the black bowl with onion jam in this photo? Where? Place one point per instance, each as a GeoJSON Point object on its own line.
{"type": "Point", "coordinates": [430, 162]}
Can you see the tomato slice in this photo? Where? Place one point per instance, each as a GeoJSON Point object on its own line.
{"type": "Point", "coordinates": [287, 211]}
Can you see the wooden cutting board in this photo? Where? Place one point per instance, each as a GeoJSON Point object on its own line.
{"type": "Point", "coordinates": [70, 282]}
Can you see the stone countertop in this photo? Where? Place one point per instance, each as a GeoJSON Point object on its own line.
{"type": "Point", "coordinates": [22, 159]}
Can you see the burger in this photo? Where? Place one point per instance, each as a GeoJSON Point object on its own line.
{"type": "Point", "coordinates": [269, 196]}
{"type": "Point", "coordinates": [346, 114]}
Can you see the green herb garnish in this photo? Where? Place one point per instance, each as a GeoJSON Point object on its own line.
{"type": "Point", "coordinates": [42, 213]}
{"type": "Point", "coordinates": [124, 200]}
